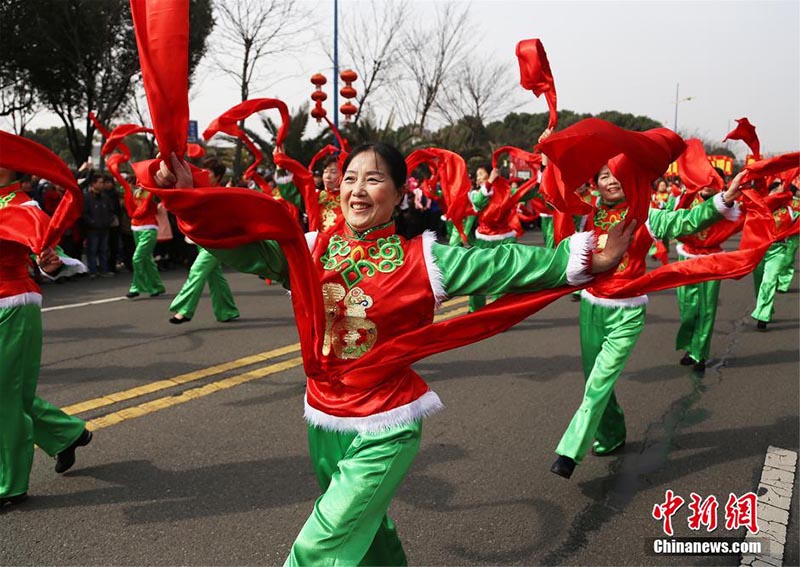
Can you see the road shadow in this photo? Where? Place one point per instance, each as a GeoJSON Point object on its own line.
{"type": "Point", "coordinates": [526, 367]}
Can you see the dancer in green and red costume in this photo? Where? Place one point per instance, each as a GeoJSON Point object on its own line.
{"type": "Point", "coordinates": [205, 268]}
{"type": "Point", "coordinates": [378, 288]}
{"type": "Point", "coordinates": [611, 325]}
{"type": "Point", "coordinates": [786, 274]}
{"type": "Point", "coordinates": [25, 418]}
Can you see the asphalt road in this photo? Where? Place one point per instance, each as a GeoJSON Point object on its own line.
{"type": "Point", "coordinates": [212, 468]}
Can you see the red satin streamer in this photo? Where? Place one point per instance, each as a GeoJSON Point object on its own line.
{"type": "Point", "coordinates": [338, 135]}
{"type": "Point", "coordinates": [772, 166]}
{"type": "Point", "coordinates": [25, 156]}
{"type": "Point", "coordinates": [535, 74]}
{"type": "Point", "coordinates": [327, 150]}
{"type": "Point", "coordinates": [747, 133]}
{"type": "Point", "coordinates": [451, 172]}
{"type": "Point", "coordinates": [100, 128]}
{"type": "Point", "coordinates": [162, 36]}
{"type": "Point", "coordinates": [304, 181]}
{"type": "Point", "coordinates": [115, 141]}
{"type": "Point", "coordinates": [242, 216]}
{"type": "Point", "coordinates": [195, 151]}
{"type": "Point", "coordinates": [696, 171]}
{"type": "Point", "coordinates": [636, 158]}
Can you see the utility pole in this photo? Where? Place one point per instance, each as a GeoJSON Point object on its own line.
{"type": "Point", "coordinates": [675, 124]}
{"type": "Point", "coordinates": [336, 63]}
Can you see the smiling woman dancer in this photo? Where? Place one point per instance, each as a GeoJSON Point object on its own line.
{"type": "Point", "coordinates": [377, 286]}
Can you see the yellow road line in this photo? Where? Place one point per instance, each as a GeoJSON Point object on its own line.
{"type": "Point", "coordinates": [168, 401]}
{"type": "Point", "coordinates": [178, 380]}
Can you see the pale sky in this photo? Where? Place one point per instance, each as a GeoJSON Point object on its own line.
{"type": "Point", "coordinates": [734, 58]}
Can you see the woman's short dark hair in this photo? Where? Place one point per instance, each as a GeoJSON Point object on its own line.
{"type": "Point", "coordinates": [214, 166]}
{"type": "Point", "coordinates": [658, 181]}
{"type": "Point", "coordinates": [330, 159]}
{"type": "Point", "coordinates": [391, 155]}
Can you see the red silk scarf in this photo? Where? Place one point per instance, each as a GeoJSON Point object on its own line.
{"type": "Point", "coordinates": [535, 74]}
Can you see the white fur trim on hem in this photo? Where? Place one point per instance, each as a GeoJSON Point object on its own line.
{"type": "Point", "coordinates": [27, 298]}
{"type": "Point", "coordinates": [682, 252]}
{"type": "Point", "coordinates": [311, 239]}
{"type": "Point", "coordinates": [141, 227]}
{"type": "Point", "coordinates": [494, 237]}
{"type": "Point", "coordinates": [730, 213]}
{"type": "Point", "coordinates": [581, 248]}
{"type": "Point", "coordinates": [434, 273]}
{"type": "Point", "coordinates": [624, 302]}
{"type": "Point", "coordinates": [427, 404]}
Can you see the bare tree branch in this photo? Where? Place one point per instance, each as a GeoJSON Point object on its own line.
{"type": "Point", "coordinates": [483, 90]}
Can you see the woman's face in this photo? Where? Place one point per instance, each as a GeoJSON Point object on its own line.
{"type": "Point", "coordinates": [368, 193]}
{"type": "Point", "coordinates": [481, 176]}
{"type": "Point", "coordinates": [662, 186]}
{"type": "Point", "coordinates": [330, 177]}
{"type": "Point", "coordinates": [609, 187]}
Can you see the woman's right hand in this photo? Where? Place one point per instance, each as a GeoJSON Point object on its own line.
{"type": "Point", "coordinates": [181, 178]}
{"type": "Point", "coordinates": [619, 238]}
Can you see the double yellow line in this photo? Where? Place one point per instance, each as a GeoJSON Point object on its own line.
{"type": "Point", "coordinates": [157, 404]}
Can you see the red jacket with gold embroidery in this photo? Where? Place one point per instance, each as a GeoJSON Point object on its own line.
{"type": "Point", "coordinates": [374, 288]}
{"type": "Point", "coordinates": [15, 281]}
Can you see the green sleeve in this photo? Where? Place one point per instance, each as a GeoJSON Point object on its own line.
{"type": "Point", "coordinates": [507, 268]}
{"type": "Point", "coordinates": [532, 194]}
{"type": "Point", "coordinates": [290, 193]}
{"type": "Point", "coordinates": [478, 199]}
{"type": "Point", "coordinates": [265, 259]}
{"type": "Point", "coordinates": [672, 224]}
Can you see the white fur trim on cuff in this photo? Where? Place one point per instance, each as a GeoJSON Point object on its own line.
{"type": "Point", "coordinates": [624, 302]}
{"type": "Point", "coordinates": [143, 227]}
{"type": "Point", "coordinates": [730, 213]}
{"type": "Point", "coordinates": [30, 203]}
{"type": "Point", "coordinates": [311, 239]}
{"type": "Point", "coordinates": [70, 268]}
{"type": "Point", "coordinates": [27, 298]}
{"type": "Point", "coordinates": [545, 215]}
{"type": "Point", "coordinates": [494, 237]}
{"type": "Point", "coordinates": [284, 179]}
{"type": "Point", "coordinates": [434, 273]}
{"type": "Point", "coordinates": [427, 404]}
{"type": "Point", "coordinates": [581, 248]}
{"type": "Point", "coordinates": [485, 191]}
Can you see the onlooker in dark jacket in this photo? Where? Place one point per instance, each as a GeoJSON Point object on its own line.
{"type": "Point", "coordinates": [98, 214]}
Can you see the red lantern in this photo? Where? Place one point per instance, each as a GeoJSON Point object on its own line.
{"type": "Point", "coordinates": [348, 108]}
{"type": "Point", "coordinates": [318, 113]}
{"type": "Point", "coordinates": [349, 76]}
{"type": "Point", "coordinates": [318, 96]}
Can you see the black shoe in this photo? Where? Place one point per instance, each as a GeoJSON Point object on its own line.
{"type": "Point", "coordinates": [132, 294]}
{"type": "Point", "coordinates": [177, 321]}
{"type": "Point", "coordinates": [761, 325]}
{"type": "Point", "coordinates": [156, 294]}
{"type": "Point", "coordinates": [66, 458]}
{"type": "Point", "coordinates": [229, 319]}
{"type": "Point", "coordinates": [12, 500]}
{"type": "Point", "coordinates": [700, 366]}
{"type": "Point", "coordinates": [687, 360]}
{"type": "Point", "coordinates": [563, 466]}
{"type": "Point", "coordinates": [575, 297]}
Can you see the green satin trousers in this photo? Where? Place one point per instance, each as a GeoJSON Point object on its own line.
{"type": "Point", "coordinates": [786, 274]}
{"type": "Point", "coordinates": [359, 474]}
{"type": "Point", "coordinates": [206, 268]}
{"type": "Point", "coordinates": [765, 278]}
{"type": "Point", "coordinates": [697, 304]}
{"type": "Point", "coordinates": [608, 336]}
{"type": "Point", "coordinates": [146, 278]}
{"type": "Point", "coordinates": [25, 418]}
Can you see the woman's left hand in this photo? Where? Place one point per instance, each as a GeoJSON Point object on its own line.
{"type": "Point", "coordinates": [734, 190]}
{"type": "Point", "coordinates": [181, 178]}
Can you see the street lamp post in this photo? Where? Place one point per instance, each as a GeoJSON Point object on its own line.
{"type": "Point", "coordinates": [336, 63]}
{"type": "Point", "coordinates": [677, 102]}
